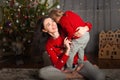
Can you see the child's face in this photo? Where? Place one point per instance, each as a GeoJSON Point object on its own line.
{"type": "Point", "coordinates": [57, 19]}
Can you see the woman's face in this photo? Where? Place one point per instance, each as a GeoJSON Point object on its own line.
{"type": "Point", "coordinates": [50, 26]}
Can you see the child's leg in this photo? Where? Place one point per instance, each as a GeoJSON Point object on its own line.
{"type": "Point", "coordinates": [82, 41]}
{"type": "Point", "coordinates": [74, 49]}
{"type": "Point", "coordinates": [75, 46]}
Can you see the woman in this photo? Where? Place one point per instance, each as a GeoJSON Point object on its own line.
{"type": "Point", "coordinates": [58, 49]}
{"type": "Point", "coordinates": [70, 23]}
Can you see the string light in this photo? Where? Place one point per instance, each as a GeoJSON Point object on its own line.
{"type": "Point", "coordinates": [58, 6]}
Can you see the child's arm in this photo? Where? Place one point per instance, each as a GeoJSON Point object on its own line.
{"type": "Point", "coordinates": [89, 25]}
{"type": "Point", "coordinates": [80, 31]}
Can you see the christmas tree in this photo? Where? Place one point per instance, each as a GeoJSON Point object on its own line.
{"type": "Point", "coordinates": [18, 23]}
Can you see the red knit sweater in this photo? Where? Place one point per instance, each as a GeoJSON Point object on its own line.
{"type": "Point", "coordinates": [54, 49]}
{"type": "Point", "coordinates": [70, 21]}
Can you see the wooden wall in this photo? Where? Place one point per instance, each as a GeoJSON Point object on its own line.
{"type": "Point", "coordinates": [103, 14]}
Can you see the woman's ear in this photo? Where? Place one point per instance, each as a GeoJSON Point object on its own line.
{"type": "Point", "coordinates": [44, 30]}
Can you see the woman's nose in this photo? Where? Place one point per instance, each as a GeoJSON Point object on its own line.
{"type": "Point", "coordinates": [52, 23]}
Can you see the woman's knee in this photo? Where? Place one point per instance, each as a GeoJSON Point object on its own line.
{"type": "Point", "coordinates": [51, 73]}
{"type": "Point", "coordinates": [42, 72]}
{"type": "Point", "coordinates": [100, 76]}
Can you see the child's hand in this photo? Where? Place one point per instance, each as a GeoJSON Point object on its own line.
{"type": "Point", "coordinates": [81, 31]}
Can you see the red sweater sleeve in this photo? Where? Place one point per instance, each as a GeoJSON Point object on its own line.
{"type": "Point", "coordinates": [70, 21]}
{"type": "Point", "coordinates": [66, 26]}
{"type": "Point", "coordinates": [56, 61]}
{"type": "Point", "coordinates": [89, 25]}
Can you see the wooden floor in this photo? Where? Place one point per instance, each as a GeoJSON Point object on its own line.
{"type": "Point", "coordinates": [26, 63]}
{"type": "Point", "coordinates": [32, 74]}
{"type": "Point", "coordinates": [12, 62]}
{"type": "Point", "coordinates": [109, 63]}
{"type": "Point", "coordinates": [105, 63]}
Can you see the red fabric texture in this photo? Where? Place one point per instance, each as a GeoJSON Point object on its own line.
{"type": "Point", "coordinates": [54, 49]}
{"type": "Point", "coordinates": [70, 21]}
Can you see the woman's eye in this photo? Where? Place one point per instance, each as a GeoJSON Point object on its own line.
{"type": "Point", "coordinates": [48, 24]}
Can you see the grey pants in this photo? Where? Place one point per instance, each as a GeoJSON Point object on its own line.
{"type": "Point", "coordinates": [91, 72]}
{"type": "Point", "coordinates": [78, 45]}
{"type": "Point", "coordinates": [51, 73]}
{"type": "Point", "coordinates": [88, 71]}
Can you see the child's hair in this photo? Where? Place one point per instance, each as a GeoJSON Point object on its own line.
{"type": "Point", "coordinates": [56, 13]}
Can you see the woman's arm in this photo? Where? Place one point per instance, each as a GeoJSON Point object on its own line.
{"type": "Point", "coordinates": [58, 62]}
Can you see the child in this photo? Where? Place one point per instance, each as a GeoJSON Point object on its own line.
{"type": "Point", "coordinates": [73, 26]}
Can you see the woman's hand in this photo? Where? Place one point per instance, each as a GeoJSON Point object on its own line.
{"type": "Point", "coordinates": [81, 31]}
{"type": "Point", "coordinates": [67, 45]}
{"type": "Point", "coordinates": [73, 75]}
{"type": "Point", "coordinates": [79, 67]}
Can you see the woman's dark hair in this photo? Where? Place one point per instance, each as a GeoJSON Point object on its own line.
{"type": "Point", "coordinates": [39, 38]}
{"type": "Point", "coordinates": [41, 26]}
{"type": "Point", "coordinates": [40, 22]}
